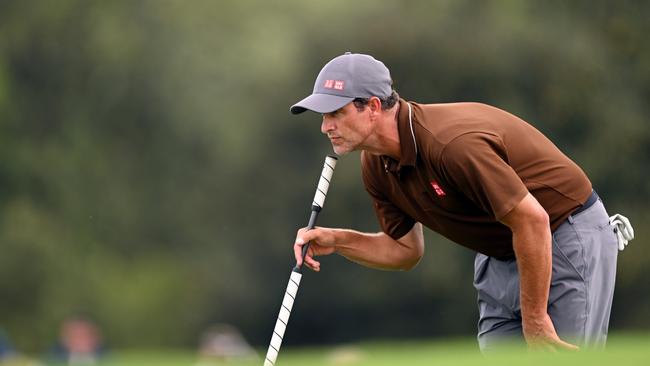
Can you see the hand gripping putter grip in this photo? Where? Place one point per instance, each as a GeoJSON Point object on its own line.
{"type": "Point", "coordinates": [296, 273]}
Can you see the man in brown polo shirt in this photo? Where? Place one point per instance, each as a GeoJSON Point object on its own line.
{"type": "Point", "coordinates": [485, 179]}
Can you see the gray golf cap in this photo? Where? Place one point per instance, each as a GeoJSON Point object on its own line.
{"type": "Point", "coordinates": [349, 76]}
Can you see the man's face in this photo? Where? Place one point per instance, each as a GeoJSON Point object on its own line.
{"type": "Point", "coordinates": [347, 128]}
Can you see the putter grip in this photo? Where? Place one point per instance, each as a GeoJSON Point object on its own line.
{"type": "Point", "coordinates": [324, 182]}
{"type": "Point", "coordinates": [283, 319]}
{"type": "Point", "coordinates": [319, 198]}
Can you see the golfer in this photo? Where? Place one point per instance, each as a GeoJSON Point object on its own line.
{"type": "Point", "coordinates": [546, 252]}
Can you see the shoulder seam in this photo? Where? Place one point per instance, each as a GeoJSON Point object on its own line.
{"type": "Point", "coordinates": [444, 148]}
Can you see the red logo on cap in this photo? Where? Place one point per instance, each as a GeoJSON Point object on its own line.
{"type": "Point", "coordinates": [437, 189]}
{"type": "Point", "coordinates": [334, 84]}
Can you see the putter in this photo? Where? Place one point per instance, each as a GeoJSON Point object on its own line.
{"type": "Point", "coordinates": [296, 273]}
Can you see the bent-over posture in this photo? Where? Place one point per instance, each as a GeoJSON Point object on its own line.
{"type": "Point", "coordinates": [546, 253]}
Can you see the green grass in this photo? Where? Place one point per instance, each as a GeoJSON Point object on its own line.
{"type": "Point", "coordinates": [622, 350]}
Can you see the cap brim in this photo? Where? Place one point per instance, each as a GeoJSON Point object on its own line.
{"type": "Point", "coordinates": [320, 103]}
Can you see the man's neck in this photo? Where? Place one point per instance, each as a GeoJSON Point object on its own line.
{"type": "Point", "coordinates": [385, 139]}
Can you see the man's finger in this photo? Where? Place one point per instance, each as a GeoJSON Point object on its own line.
{"type": "Point", "coordinates": [566, 346]}
{"type": "Point", "coordinates": [552, 345]}
{"type": "Point", "coordinates": [301, 239]}
{"type": "Point", "coordinates": [548, 348]}
{"type": "Point", "coordinates": [304, 237]}
{"type": "Point", "coordinates": [297, 252]}
{"type": "Point", "coordinates": [312, 263]}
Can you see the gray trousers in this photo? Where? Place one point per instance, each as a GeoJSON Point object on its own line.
{"type": "Point", "coordinates": [582, 285]}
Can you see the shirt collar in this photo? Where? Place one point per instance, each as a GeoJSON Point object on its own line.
{"type": "Point", "coordinates": [406, 143]}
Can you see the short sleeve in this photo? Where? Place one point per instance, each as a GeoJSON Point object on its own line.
{"type": "Point", "coordinates": [392, 220]}
{"type": "Point", "coordinates": [477, 164]}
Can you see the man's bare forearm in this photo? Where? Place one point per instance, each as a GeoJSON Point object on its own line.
{"type": "Point", "coordinates": [380, 251]}
{"type": "Point", "coordinates": [532, 246]}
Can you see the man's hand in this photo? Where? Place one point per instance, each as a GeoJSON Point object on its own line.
{"type": "Point", "coordinates": [374, 250]}
{"type": "Point", "coordinates": [322, 243]}
{"type": "Point", "coordinates": [540, 334]}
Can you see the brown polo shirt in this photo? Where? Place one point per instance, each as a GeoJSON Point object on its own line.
{"type": "Point", "coordinates": [474, 163]}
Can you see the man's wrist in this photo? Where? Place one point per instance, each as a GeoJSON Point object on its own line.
{"type": "Point", "coordinates": [343, 239]}
{"type": "Point", "coordinates": [340, 238]}
{"type": "Point", "coordinates": [533, 313]}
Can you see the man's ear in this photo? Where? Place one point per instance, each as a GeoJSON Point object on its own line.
{"type": "Point", "coordinates": [374, 104]}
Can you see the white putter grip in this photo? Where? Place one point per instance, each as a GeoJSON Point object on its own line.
{"type": "Point", "coordinates": [324, 182]}
{"type": "Point", "coordinates": [283, 319]}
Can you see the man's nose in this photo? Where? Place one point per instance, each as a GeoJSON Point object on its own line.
{"type": "Point", "coordinates": [326, 125]}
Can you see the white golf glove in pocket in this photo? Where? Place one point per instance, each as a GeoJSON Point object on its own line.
{"type": "Point", "coordinates": [623, 229]}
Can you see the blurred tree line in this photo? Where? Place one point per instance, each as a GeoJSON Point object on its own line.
{"type": "Point", "coordinates": [152, 178]}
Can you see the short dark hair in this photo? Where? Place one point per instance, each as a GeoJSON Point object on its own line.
{"type": "Point", "coordinates": [386, 103]}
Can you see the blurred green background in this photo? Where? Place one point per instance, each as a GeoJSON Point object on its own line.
{"type": "Point", "coordinates": [152, 178]}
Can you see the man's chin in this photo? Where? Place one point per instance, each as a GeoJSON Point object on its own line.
{"type": "Point", "coordinates": [340, 151]}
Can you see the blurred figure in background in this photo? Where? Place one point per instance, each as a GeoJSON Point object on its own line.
{"type": "Point", "coordinates": [80, 342]}
{"type": "Point", "coordinates": [6, 348]}
{"type": "Point", "coordinates": [10, 357]}
{"type": "Point", "coordinates": [223, 342]}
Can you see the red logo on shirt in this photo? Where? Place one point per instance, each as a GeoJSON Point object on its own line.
{"type": "Point", "coordinates": [437, 189]}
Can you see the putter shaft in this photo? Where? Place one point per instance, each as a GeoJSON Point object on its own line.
{"type": "Point", "coordinates": [296, 275]}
